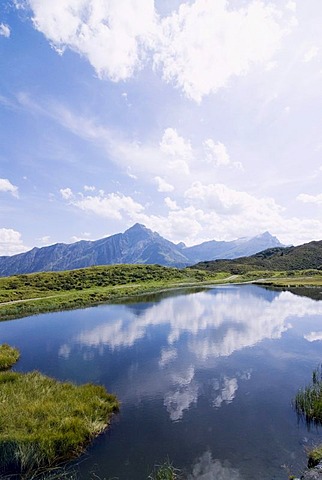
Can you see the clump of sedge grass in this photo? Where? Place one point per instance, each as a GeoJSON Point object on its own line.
{"type": "Point", "coordinates": [165, 472]}
{"type": "Point", "coordinates": [308, 404]}
{"type": "Point", "coordinates": [44, 422]}
{"type": "Point", "coordinates": [8, 356]}
{"type": "Point", "coordinates": [308, 400]}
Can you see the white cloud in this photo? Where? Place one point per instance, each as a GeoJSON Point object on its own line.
{"type": "Point", "coordinates": [171, 204]}
{"type": "Point", "coordinates": [89, 188]}
{"type": "Point", "coordinates": [311, 53]}
{"type": "Point", "coordinates": [66, 193]}
{"type": "Point", "coordinates": [216, 153]}
{"type": "Point", "coordinates": [199, 47]}
{"type": "Point", "coordinates": [313, 336]}
{"type": "Point", "coordinates": [4, 30]}
{"type": "Point", "coordinates": [6, 186]}
{"type": "Point", "coordinates": [306, 198]}
{"type": "Point", "coordinates": [291, 5]}
{"type": "Point", "coordinates": [163, 186]}
{"type": "Point", "coordinates": [83, 236]}
{"type": "Point", "coordinates": [111, 35]}
{"type": "Point", "coordinates": [45, 240]}
{"type": "Point", "coordinates": [205, 43]}
{"type": "Point", "coordinates": [11, 242]}
{"type": "Point", "coordinates": [112, 205]}
{"type": "Point", "coordinates": [173, 144]}
{"type": "Point", "coordinates": [224, 200]}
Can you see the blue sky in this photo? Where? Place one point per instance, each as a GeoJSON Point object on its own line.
{"type": "Point", "coordinates": [200, 119]}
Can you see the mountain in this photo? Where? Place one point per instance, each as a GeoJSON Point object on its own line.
{"type": "Point", "coordinates": [241, 247]}
{"type": "Point", "coordinates": [138, 244]}
{"type": "Point", "coordinates": [302, 257]}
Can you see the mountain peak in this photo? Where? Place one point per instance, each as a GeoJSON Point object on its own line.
{"type": "Point", "coordinates": [138, 244]}
{"type": "Point", "coordinates": [138, 228]}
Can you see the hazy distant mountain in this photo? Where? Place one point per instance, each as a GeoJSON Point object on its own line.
{"type": "Point", "coordinates": [241, 247]}
{"type": "Point", "coordinates": [302, 257]}
{"type": "Point", "coordinates": [138, 244]}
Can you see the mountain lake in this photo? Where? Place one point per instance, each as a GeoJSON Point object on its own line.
{"type": "Point", "coordinates": [205, 379]}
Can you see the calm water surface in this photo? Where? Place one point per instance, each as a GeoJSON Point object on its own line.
{"type": "Point", "coordinates": [205, 379]}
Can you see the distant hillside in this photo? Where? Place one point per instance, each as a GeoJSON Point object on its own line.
{"type": "Point", "coordinates": [136, 245]}
{"type": "Point", "coordinates": [305, 256]}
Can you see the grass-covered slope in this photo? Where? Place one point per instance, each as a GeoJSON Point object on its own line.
{"type": "Point", "coordinates": [26, 294]}
{"type": "Point", "coordinates": [302, 257]}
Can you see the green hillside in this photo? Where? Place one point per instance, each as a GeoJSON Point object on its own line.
{"type": "Point", "coordinates": [26, 294]}
{"type": "Point", "coordinates": [303, 257]}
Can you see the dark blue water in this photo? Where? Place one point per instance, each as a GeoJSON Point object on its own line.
{"type": "Point", "coordinates": [205, 379]}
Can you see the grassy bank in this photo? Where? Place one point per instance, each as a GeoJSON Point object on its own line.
{"type": "Point", "coordinates": [8, 356]}
{"type": "Point", "coordinates": [23, 295]}
{"type": "Point", "coordinates": [44, 422]}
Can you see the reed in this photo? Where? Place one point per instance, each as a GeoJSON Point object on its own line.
{"type": "Point", "coordinates": [308, 400]}
{"type": "Point", "coordinates": [308, 405]}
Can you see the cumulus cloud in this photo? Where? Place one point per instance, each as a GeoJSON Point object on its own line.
{"type": "Point", "coordinates": [306, 198]}
{"type": "Point", "coordinates": [111, 205]}
{"type": "Point", "coordinates": [199, 47]}
{"type": "Point", "coordinates": [66, 193]}
{"type": "Point", "coordinates": [171, 204]}
{"type": "Point", "coordinates": [197, 211]}
{"type": "Point", "coordinates": [11, 242]}
{"type": "Point", "coordinates": [205, 43]}
{"type": "Point", "coordinates": [173, 144]}
{"type": "Point", "coordinates": [216, 152]}
{"type": "Point", "coordinates": [110, 35]}
{"type": "Point", "coordinates": [4, 30]}
{"type": "Point", "coordinates": [45, 240]}
{"type": "Point", "coordinates": [163, 186]}
{"type": "Point", "coordinates": [7, 186]}
{"type": "Point", "coordinates": [291, 5]}
{"type": "Point", "coordinates": [313, 336]}
{"type": "Point", "coordinates": [225, 200]}
{"type": "Point", "coordinates": [311, 53]}
{"type": "Point", "coordinates": [178, 149]}
{"type": "Point", "coordinates": [89, 188]}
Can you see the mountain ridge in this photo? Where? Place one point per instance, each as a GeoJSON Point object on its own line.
{"type": "Point", "coordinates": [302, 257]}
{"type": "Point", "coordinates": [138, 244]}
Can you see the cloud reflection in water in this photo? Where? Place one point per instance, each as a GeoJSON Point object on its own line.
{"type": "Point", "coordinates": [197, 328]}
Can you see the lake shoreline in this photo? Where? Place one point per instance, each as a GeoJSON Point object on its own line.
{"type": "Point", "coordinates": [69, 298]}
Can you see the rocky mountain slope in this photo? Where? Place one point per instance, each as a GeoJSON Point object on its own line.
{"type": "Point", "coordinates": [138, 244]}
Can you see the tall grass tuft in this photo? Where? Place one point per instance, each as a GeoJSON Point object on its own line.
{"type": "Point", "coordinates": [308, 404]}
{"type": "Point", "coordinates": [308, 400]}
{"type": "Point", "coordinates": [8, 356]}
{"type": "Point", "coordinates": [165, 472]}
{"type": "Point", "coordinates": [44, 422]}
